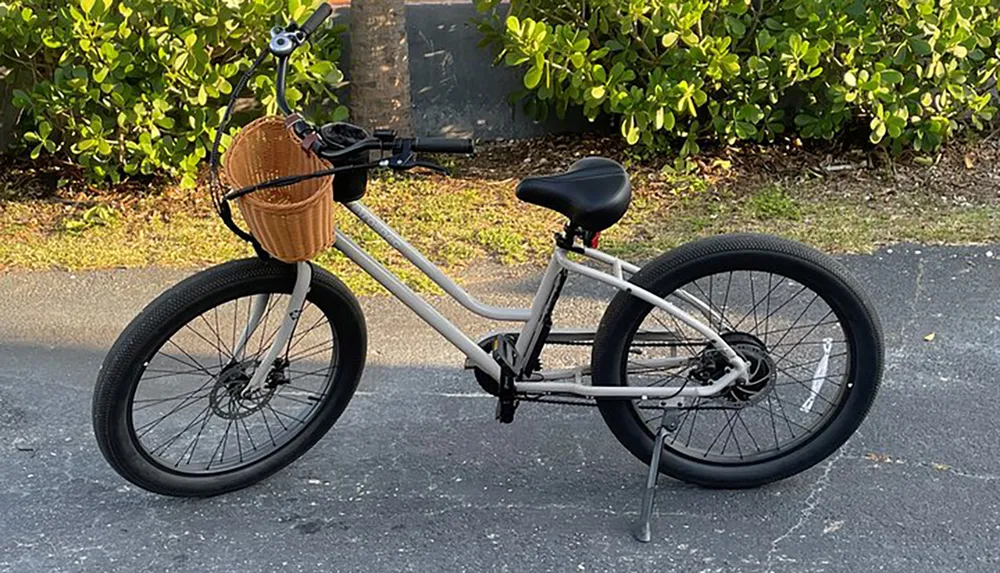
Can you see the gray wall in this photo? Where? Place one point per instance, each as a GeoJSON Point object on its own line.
{"type": "Point", "coordinates": [454, 86]}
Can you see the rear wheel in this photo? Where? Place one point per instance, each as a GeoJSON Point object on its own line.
{"type": "Point", "coordinates": [807, 331]}
{"type": "Point", "coordinates": [169, 412]}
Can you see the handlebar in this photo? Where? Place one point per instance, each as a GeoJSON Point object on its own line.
{"type": "Point", "coordinates": [442, 145]}
{"type": "Point", "coordinates": [317, 18]}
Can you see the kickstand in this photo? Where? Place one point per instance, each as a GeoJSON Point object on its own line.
{"type": "Point", "coordinates": [667, 424]}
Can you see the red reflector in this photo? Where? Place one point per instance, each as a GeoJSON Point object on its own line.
{"type": "Point", "coordinates": [594, 240]}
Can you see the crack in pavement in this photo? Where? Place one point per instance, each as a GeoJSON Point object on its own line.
{"type": "Point", "coordinates": [806, 512]}
{"type": "Point", "coordinates": [935, 466]}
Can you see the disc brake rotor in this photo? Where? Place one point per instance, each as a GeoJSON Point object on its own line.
{"type": "Point", "coordinates": [226, 398]}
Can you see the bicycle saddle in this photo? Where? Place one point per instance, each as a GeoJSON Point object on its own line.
{"type": "Point", "coordinates": [594, 193]}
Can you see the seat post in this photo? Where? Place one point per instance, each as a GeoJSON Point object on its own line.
{"type": "Point", "coordinates": [567, 239]}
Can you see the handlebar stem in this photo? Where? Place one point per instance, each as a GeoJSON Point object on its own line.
{"type": "Point", "coordinates": [281, 80]}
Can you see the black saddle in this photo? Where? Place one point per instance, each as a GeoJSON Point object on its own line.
{"type": "Point", "coordinates": [594, 193]}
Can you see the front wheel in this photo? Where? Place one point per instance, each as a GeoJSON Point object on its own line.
{"type": "Point", "coordinates": [169, 412]}
{"type": "Point", "coordinates": [810, 336]}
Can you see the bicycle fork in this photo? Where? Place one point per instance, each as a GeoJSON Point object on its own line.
{"type": "Point", "coordinates": [303, 277]}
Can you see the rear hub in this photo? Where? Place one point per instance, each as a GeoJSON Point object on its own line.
{"type": "Point", "coordinates": [761, 369]}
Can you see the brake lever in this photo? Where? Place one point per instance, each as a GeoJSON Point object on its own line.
{"type": "Point", "coordinates": [433, 167]}
{"type": "Point", "coordinates": [407, 162]}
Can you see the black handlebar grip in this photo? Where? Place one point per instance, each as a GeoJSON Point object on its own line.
{"type": "Point", "coordinates": [317, 18]}
{"type": "Point", "coordinates": [442, 145]}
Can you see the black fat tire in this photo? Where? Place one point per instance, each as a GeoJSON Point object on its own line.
{"type": "Point", "coordinates": [676, 268]}
{"type": "Point", "coordinates": [122, 370]}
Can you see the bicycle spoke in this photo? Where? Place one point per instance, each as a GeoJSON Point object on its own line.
{"type": "Point", "coordinates": [267, 425]}
{"type": "Point", "coordinates": [289, 416]}
{"type": "Point", "coordinates": [747, 430]}
{"type": "Point", "coordinates": [188, 356]}
{"type": "Point", "coordinates": [711, 305]}
{"type": "Point", "coordinates": [222, 444]}
{"type": "Point", "coordinates": [315, 350]}
{"type": "Point", "coordinates": [150, 402]}
{"type": "Point", "coordinates": [719, 435]}
{"type": "Point", "coordinates": [767, 309]}
{"type": "Point", "coordinates": [194, 444]}
{"type": "Point", "coordinates": [169, 374]}
{"type": "Point", "coordinates": [247, 431]}
{"type": "Point", "coordinates": [767, 297]}
{"type": "Point", "coordinates": [183, 405]}
{"type": "Point", "coordinates": [165, 445]}
{"type": "Point", "coordinates": [797, 319]}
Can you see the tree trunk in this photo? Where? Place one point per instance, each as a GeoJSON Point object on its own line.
{"type": "Point", "coordinates": [380, 66]}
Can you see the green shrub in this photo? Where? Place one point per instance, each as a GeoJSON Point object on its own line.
{"type": "Point", "coordinates": [138, 86]}
{"type": "Point", "coordinates": [912, 72]}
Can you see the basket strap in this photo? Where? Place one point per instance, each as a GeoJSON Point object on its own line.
{"type": "Point", "coordinates": [227, 217]}
{"type": "Point", "coordinates": [306, 142]}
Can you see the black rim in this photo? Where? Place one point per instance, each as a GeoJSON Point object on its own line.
{"type": "Point", "coordinates": [186, 413]}
{"type": "Point", "coordinates": [781, 327]}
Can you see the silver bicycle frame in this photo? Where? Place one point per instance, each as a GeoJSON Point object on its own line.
{"type": "Point", "coordinates": [542, 382]}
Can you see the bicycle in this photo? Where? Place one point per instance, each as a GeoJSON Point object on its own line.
{"type": "Point", "coordinates": [686, 339]}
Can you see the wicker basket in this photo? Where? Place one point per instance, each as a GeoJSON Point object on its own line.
{"type": "Point", "coordinates": [292, 223]}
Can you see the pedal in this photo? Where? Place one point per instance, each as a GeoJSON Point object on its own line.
{"type": "Point", "coordinates": [505, 355]}
{"type": "Point", "coordinates": [505, 410]}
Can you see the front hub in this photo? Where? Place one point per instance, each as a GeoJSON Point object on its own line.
{"type": "Point", "coordinates": [226, 398]}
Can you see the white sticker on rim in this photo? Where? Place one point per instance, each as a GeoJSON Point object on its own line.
{"type": "Point", "coordinates": [819, 376]}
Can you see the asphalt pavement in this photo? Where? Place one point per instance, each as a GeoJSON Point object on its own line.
{"type": "Point", "coordinates": [417, 475]}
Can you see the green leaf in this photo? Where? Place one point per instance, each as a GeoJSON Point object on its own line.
{"type": "Point", "coordinates": [920, 47]}
{"type": "Point", "coordinates": [750, 113]}
{"type": "Point", "coordinates": [803, 120]}
{"type": "Point", "coordinates": [745, 130]}
{"type": "Point", "coordinates": [168, 122]}
{"type": "Point", "coordinates": [668, 120]}
{"type": "Point", "coordinates": [736, 26]}
{"type": "Point", "coordinates": [513, 25]}
{"type": "Point", "coordinates": [597, 93]}
{"type": "Point", "coordinates": [44, 129]}
{"type": "Point", "coordinates": [669, 39]}
{"type": "Point", "coordinates": [20, 99]}
{"type": "Point", "coordinates": [87, 5]}
{"type": "Point", "coordinates": [878, 130]}
{"type": "Point", "coordinates": [890, 77]}
{"type": "Point", "coordinates": [850, 79]}
{"type": "Point", "coordinates": [630, 131]}
{"type": "Point", "coordinates": [532, 77]}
